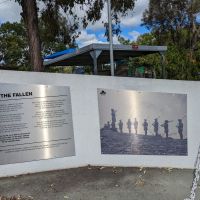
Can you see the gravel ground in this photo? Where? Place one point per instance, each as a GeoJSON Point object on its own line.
{"type": "Point", "coordinates": [91, 183]}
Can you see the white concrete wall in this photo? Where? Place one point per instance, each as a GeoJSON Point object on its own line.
{"type": "Point", "coordinates": [85, 110]}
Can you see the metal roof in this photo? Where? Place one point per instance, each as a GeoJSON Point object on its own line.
{"type": "Point", "coordinates": [83, 57]}
{"type": "Point", "coordinates": [60, 53]}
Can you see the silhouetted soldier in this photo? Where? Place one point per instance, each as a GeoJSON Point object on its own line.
{"type": "Point", "coordinates": [135, 125]}
{"type": "Point", "coordinates": [145, 125]}
{"type": "Point", "coordinates": [120, 126]}
{"type": "Point", "coordinates": [156, 125]}
{"type": "Point", "coordinates": [166, 127]}
{"type": "Point", "coordinates": [180, 128]}
{"type": "Point", "coordinates": [108, 125]}
{"type": "Point", "coordinates": [129, 123]}
{"type": "Point", "coordinates": [113, 114]}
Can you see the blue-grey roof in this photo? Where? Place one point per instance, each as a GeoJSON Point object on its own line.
{"type": "Point", "coordinates": [60, 53]}
{"type": "Point", "coordinates": [82, 56]}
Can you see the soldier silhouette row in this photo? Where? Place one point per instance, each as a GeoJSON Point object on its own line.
{"type": "Point", "coordinates": [145, 125]}
{"type": "Point", "coordinates": [135, 124]}
{"type": "Point", "coordinates": [165, 125]}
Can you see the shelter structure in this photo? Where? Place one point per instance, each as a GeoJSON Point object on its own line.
{"type": "Point", "coordinates": [97, 54]}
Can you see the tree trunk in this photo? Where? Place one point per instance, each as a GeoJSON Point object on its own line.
{"type": "Point", "coordinates": [29, 8]}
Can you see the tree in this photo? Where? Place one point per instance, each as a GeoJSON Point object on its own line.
{"type": "Point", "coordinates": [176, 24]}
{"type": "Point", "coordinates": [59, 38]}
{"type": "Point", "coordinates": [30, 17]}
{"type": "Point", "coordinates": [53, 8]}
{"type": "Point", "coordinates": [147, 39]}
{"type": "Point", "coordinates": [13, 46]}
{"type": "Point", "coordinates": [14, 52]}
{"type": "Point", "coordinates": [179, 64]}
{"type": "Point", "coordinates": [194, 22]}
{"type": "Point", "coordinates": [174, 21]}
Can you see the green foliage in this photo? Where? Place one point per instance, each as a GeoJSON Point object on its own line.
{"type": "Point", "coordinates": [55, 10]}
{"type": "Point", "coordinates": [124, 41]}
{"type": "Point", "coordinates": [151, 63]}
{"type": "Point", "coordinates": [60, 21]}
{"type": "Point", "coordinates": [146, 39]}
{"type": "Point", "coordinates": [56, 69]}
{"type": "Point", "coordinates": [174, 22]}
{"type": "Point", "coordinates": [60, 16]}
{"type": "Point", "coordinates": [14, 46]}
{"type": "Point", "coordinates": [59, 38]}
{"type": "Point", "coordinates": [179, 64]}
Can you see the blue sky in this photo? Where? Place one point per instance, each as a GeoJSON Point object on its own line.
{"type": "Point", "coordinates": [130, 25]}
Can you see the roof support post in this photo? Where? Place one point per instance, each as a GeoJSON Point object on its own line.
{"type": "Point", "coordinates": [95, 54]}
{"type": "Point", "coordinates": [163, 62]}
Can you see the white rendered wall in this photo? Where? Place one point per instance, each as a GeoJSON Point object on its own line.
{"type": "Point", "coordinates": [86, 121]}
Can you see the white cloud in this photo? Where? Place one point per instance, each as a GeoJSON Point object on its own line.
{"type": "Point", "coordinates": [102, 36]}
{"type": "Point", "coordinates": [134, 17]}
{"type": "Point", "coordinates": [115, 40]}
{"type": "Point", "coordinates": [86, 38]}
{"type": "Point", "coordinates": [9, 11]}
{"type": "Point", "coordinates": [99, 25]}
{"type": "Point", "coordinates": [134, 35]}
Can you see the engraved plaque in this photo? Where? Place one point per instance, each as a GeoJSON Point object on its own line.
{"type": "Point", "coordinates": [143, 123]}
{"type": "Point", "coordinates": [35, 123]}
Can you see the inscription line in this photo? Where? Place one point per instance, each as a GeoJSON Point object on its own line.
{"type": "Point", "coordinates": [35, 142]}
{"type": "Point", "coordinates": [34, 98]}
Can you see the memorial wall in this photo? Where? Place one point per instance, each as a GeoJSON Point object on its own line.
{"type": "Point", "coordinates": [59, 121]}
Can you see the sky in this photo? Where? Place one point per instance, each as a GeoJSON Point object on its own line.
{"type": "Point", "coordinates": [144, 105]}
{"type": "Point", "coordinates": [130, 25]}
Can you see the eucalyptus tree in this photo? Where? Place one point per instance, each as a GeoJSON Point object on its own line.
{"type": "Point", "coordinates": [70, 9]}
{"type": "Point", "coordinates": [174, 21]}
{"type": "Point", "coordinates": [13, 46]}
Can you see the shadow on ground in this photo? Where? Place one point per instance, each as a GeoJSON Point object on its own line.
{"type": "Point", "coordinates": [100, 183]}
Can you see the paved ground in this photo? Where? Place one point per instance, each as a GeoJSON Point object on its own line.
{"type": "Point", "coordinates": [101, 184]}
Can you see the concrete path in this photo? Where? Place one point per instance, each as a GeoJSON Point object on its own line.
{"type": "Point", "coordinates": [94, 183]}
